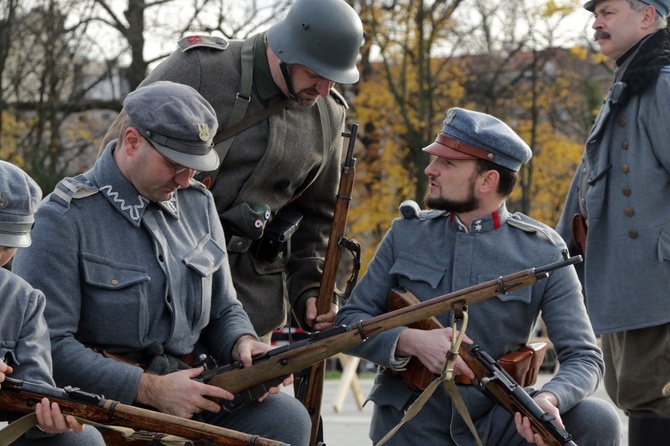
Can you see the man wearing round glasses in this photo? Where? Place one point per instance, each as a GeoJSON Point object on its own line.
{"type": "Point", "coordinates": [132, 258]}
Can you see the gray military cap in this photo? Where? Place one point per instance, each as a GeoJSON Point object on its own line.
{"type": "Point", "coordinates": [180, 123]}
{"type": "Point", "coordinates": [19, 198]}
{"type": "Point", "coordinates": [469, 134]}
{"type": "Point", "coordinates": [661, 6]}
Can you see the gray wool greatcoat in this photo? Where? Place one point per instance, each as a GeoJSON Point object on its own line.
{"type": "Point", "coordinates": [267, 164]}
{"type": "Point", "coordinates": [431, 255]}
{"type": "Point", "coordinates": [121, 273]}
{"type": "Point", "coordinates": [627, 262]}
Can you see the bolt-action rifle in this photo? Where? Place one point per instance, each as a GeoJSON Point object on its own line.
{"type": "Point", "coordinates": [496, 383]}
{"type": "Point", "coordinates": [309, 382]}
{"type": "Point", "coordinates": [271, 368]}
{"type": "Point", "coordinates": [17, 396]}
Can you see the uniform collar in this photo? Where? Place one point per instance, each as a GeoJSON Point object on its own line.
{"type": "Point", "coordinates": [484, 224]}
{"type": "Point", "coordinates": [120, 192]}
{"type": "Point", "coordinates": [262, 75]}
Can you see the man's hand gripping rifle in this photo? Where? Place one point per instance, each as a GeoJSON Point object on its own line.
{"type": "Point", "coordinates": [136, 423]}
{"type": "Point", "coordinates": [270, 369]}
{"type": "Point", "coordinates": [498, 385]}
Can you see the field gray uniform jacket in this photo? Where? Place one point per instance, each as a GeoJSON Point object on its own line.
{"type": "Point", "coordinates": [431, 255]}
{"type": "Point", "coordinates": [24, 336]}
{"type": "Point", "coordinates": [627, 197]}
{"type": "Point", "coordinates": [268, 164]}
{"type": "Point", "coordinates": [121, 274]}
{"type": "Point", "coordinates": [24, 345]}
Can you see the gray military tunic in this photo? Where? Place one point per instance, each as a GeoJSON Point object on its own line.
{"type": "Point", "coordinates": [24, 345]}
{"type": "Point", "coordinates": [627, 262]}
{"type": "Point", "coordinates": [433, 254]}
{"type": "Point", "coordinates": [268, 164]}
{"type": "Point", "coordinates": [121, 274]}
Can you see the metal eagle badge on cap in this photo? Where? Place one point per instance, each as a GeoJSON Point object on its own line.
{"type": "Point", "coordinates": [4, 200]}
{"type": "Point", "coordinates": [451, 114]}
{"type": "Point", "coordinates": [203, 131]}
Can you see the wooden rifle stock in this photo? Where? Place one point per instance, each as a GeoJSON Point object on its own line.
{"type": "Point", "coordinates": [491, 378]}
{"type": "Point", "coordinates": [20, 397]}
{"type": "Point", "coordinates": [309, 388]}
{"type": "Point", "coordinates": [271, 368]}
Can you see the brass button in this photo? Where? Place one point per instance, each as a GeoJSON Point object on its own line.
{"type": "Point", "coordinates": [622, 122]}
{"type": "Point", "coordinates": [625, 144]}
{"type": "Point", "coordinates": [626, 191]}
{"type": "Point", "coordinates": [629, 212]}
{"type": "Point", "coordinates": [632, 234]}
{"type": "Point", "coordinates": [625, 168]}
{"type": "Point", "coordinates": [115, 282]}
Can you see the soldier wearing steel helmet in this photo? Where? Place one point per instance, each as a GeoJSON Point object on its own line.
{"type": "Point", "coordinates": [290, 161]}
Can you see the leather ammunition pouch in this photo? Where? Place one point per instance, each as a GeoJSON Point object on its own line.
{"type": "Point", "coordinates": [277, 233]}
{"type": "Point", "coordinates": [523, 365]}
{"type": "Point", "coordinates": [579, 232]}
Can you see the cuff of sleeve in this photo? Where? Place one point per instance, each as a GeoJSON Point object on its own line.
{"type": "Point", "coordinates": [398, 364]}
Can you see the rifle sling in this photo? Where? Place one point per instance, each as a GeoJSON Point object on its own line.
{"type": "Point", "coordinates": [447, 379]}
{"type": "Point", "coordinates": [10, 433]}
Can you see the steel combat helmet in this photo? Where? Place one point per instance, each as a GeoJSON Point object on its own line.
{"type": "Point", "coordinates": [323, 35]}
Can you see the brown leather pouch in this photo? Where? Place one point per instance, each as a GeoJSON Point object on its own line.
{"type": "Point", "coordinates": [524, 364]}
{"type": "Point", "coordinates": [579, 231]}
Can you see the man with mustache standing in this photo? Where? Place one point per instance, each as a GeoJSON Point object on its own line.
{"type": "Point", "coordinates": [617, 213]}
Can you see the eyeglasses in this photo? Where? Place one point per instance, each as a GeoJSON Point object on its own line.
{"type": "Point", "coordinates": [177, 168]}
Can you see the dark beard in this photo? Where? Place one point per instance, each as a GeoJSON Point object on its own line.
{"type": "Point", "coordinates": [458, 207]}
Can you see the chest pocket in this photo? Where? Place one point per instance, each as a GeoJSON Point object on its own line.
{"type": "Point", "coordinates": [119, 291]}
{"type": "Point", "coordinates": [206, 258]}
{"type": "Point", "coordinates": [111, 275]}
{"type": "Point", "coordinates": [203, 261]}
{"type": "Point", "coordinates": [418, 270]}
{"type": "Point", "coordinates": [523, 295]}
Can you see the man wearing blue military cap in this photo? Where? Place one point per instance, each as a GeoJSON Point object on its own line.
{"type": "Point", "coordinates": [132, 259]}
{"type": "Point", "coordinates": [467, 238]}
{"type": "Point", "coordinates": [617, 214]}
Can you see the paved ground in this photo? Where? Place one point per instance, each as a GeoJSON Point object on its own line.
{"type": "Point", "coordinates": [350, 426]}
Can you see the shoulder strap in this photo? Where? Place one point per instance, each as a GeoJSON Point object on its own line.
{"type": "Point", "coordinates": [325, 131]}
{"type": "Point", "coordinates": [230, 132]}
{"type": "Point", "coordinates": [224, 139]}
{"type": "Point", "coordinates": [242, 100]}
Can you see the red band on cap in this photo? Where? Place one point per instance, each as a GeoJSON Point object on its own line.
{"type": "Point", "coordinates": [464, 148]}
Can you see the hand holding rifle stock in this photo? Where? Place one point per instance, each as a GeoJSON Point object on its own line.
{"type": "Point", "coordinates": [20, 397]}
{"type": "Point", "coordinates": [491, 378]}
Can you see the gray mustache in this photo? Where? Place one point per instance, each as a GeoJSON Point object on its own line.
{"type": "Point", "coordinates": [600, 34]}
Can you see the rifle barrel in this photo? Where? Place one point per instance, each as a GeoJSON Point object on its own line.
{"type": "Point", "coordinates": [281, 363]}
